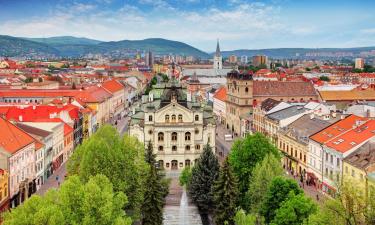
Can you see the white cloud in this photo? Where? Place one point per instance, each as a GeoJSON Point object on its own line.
{"type": "Point", "coordinates": [244, 25]}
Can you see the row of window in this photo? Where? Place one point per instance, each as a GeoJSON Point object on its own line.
{"type": "Point", "coordinates": [174, 147]}
{"type": "Point", "coordinates": [173, 118]}
{"type": "Point", "coordinates": [19, 101]}
{"type": "Point", "coordinates": [293, 152]}
{"type": "Point", "coordinates": [174, 136]}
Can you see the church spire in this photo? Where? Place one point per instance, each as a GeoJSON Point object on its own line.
{"type": "Point", "coordinates": [218, 54]}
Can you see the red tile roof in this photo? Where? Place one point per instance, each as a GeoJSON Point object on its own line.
{"type": "Point", "coordinates": [277, 88]}
{"type": "Point", "coordinates": [12, 138]}
{"type": "Point", "coordinates": [113, 86]}
{"type": "Point", "coordinates": [32, 113]}
{"type": "Point", "coordinates": [353, 138]}
{"type": "Point", "coordinates": [93, 94]}
{"type": "Point", "coordinates": [221, 94]}
{"type": "Point", "coordinates": [37, 93]}
{"type": "Point", "coordinates": [336, 129]}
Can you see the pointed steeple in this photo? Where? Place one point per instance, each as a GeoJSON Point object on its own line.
{"type": "Point", "coordinates": [218, 54]}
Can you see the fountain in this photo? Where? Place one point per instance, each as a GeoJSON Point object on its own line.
{"type": "Point", "coordinates": [183, 209]}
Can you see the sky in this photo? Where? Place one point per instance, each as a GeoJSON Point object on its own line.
{"type": "Point", "coordinates": [238, 24]}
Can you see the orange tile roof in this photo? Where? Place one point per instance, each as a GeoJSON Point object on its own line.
{"type": "Point", "coordinates": [353, 138]}
{"type": "Point", "coordinates": [113, 86]}
{"type": "Point", "coordinates": [336, 129]}
{"type": "Point", "coordinates": [12, 138]}
{"type": "Point", "coordinates": [355, 94]}
{"type": "Point", "coordinates": [221, 94]}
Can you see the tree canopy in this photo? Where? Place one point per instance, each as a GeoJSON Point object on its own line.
{"type": "Point", "coordinates": [278, 191]}
{"type": "Point", "coordinates": [204, 174]}
{"type": "Point", "coordinates": [119, 159]}
{"type": "Point", "coordinates": [245, 154]}
{"type": "Point", "coordinates": [225, 195]}
{"type": "Point", "coordinates": [75, 203]}
{"type": "Point", "coordinates": [295, 210]}
{"type": "Point", "coordinates": [263, 174]}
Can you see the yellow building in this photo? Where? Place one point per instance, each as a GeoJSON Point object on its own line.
{"type": "Point", "coordinates": [359, 168]}
{"type": "Point", "coordinates": [4, 191]}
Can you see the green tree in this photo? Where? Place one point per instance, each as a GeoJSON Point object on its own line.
{"type": "Point", "coordinates": [204, 174]}
{"type": "Point", "coordinates": [324, 78]}
{"type": "Point", "coordinates": [75, 203]}
{"type": "Point", "coordinates": [242, 218]}
{"type": "Point", "coordinates": [245, 154]}
{"type": "Point", "coordinates": [225, 192]}
{"type": "Point", "coordinates": [263, 174]}
{"type": "Point", "coordinates": [278, 191]}
{"type": "Point", "coordinates": [119, 159]}
{"type": "Point", "coordinates": [152, 209]}
{"type": "Point", "coordinates": [349, 207]}
{"type": "Point", "coordinates": [295, 210]}
{"type": "Point", "coordinates": [185, 176]}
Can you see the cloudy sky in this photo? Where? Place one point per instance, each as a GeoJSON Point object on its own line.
{"type": "Point", "coordinates": [239, 24]}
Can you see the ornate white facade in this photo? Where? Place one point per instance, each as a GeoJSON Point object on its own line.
{"type": "Point", "coordinates": [178, 129]}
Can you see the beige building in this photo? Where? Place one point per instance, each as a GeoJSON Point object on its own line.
{"type": "Point", "coordinates": [178, 129]}
{"type": "Point", "coordinates": [244, 93]}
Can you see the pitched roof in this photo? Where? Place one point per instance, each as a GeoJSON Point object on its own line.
{"type": "Point", "coordinates": [13, 138]}
{"type": "Point", "coordinates": [336, 129]}
{"type": "Point", "coordinates": [113, 86]}
{"type": "Point", "coordinates": [221, 94]}
{"type": "Point", "coordinates": [363, 158]}
{"type": "Point", "coordinates": [353, 138]}
{"type": "Point", "coordinates": [33, 130]}
{"type": "Point", "coordinates": [277, 88]}
{"type": "Point", "coordinates": [93, 94]}
{"type": "Point", "coordinates": [354, 94]}
{"type": "Point", "coordinates": [32, 113]}
{"type": "Point", "coordinates": [268, 104]}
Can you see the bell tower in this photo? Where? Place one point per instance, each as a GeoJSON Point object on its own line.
{"type": "Point", "coordinates": [218, 60]}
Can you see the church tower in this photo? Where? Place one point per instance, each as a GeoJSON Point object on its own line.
{"type": "Point", "coordinates": [218, 60]}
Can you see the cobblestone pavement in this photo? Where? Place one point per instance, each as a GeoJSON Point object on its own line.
{"type": "Point", "coordinates": [178, 209]}
{"type": "Point", "coordinates": [52, 182]}
{"type": "Point", "coordinates": [222, 147]}
{"type": "Point", "coordinates": [311, 191]}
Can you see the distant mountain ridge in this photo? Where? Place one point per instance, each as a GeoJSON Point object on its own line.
{"type": "Point", "coordinates": [65, 40]}
{"type": "Point", "coordinates": [68, 46]}
{"type": "Point", "coordinates": [74, 47]}
{"type": "Point", "coordinates": [292, 52]}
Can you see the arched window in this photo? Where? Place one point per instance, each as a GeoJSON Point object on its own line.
{"type": "Point", "coordinates": [197, 147]}
{"type": "Point", "coordinates": [187, 163]}
{"type": "Point", "coordinates": [174, 148]}
{"type": "Point", "coordinates": [161, 163]}
{"type": "Point", "coordinates": [246, 89]}
{"type": "Point", "coordinates": [173, 118]}
{"type": "Point", "coordinates": [187, 147]}
{"type": "Point", "coordinates": [160, 148]}
{"type": "Point", "coordinates": [174, 136]}
{"type": "Point", "coordinates": [196, 118]}
{"type": "Point", "coordinates": [180, 118]}
{"type": "Point", "coordinates": [167, 118]}
{"type": "Point", "coordinates": [160, 136]}
{"type": "Point", "coordinates": [187, 136]}
{"type": "Point", "coordinates": [150, 118]}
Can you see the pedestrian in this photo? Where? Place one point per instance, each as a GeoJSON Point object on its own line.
{"type": "Point", "coordinates": [317, 197]}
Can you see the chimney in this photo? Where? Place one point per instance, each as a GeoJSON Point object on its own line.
{"type": "Point", "coordinates": [34, 107]}
{"type": "Point", "coordinates": [334, 114]}
{"type": "Point", "coordinates": [342, 117]}
{"type": "Point", "coordinates": [20, 118]}
{"type": "Point", "coordinates": [312, 116]}
{"type": "Point", "coordinates": [133, 110]}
